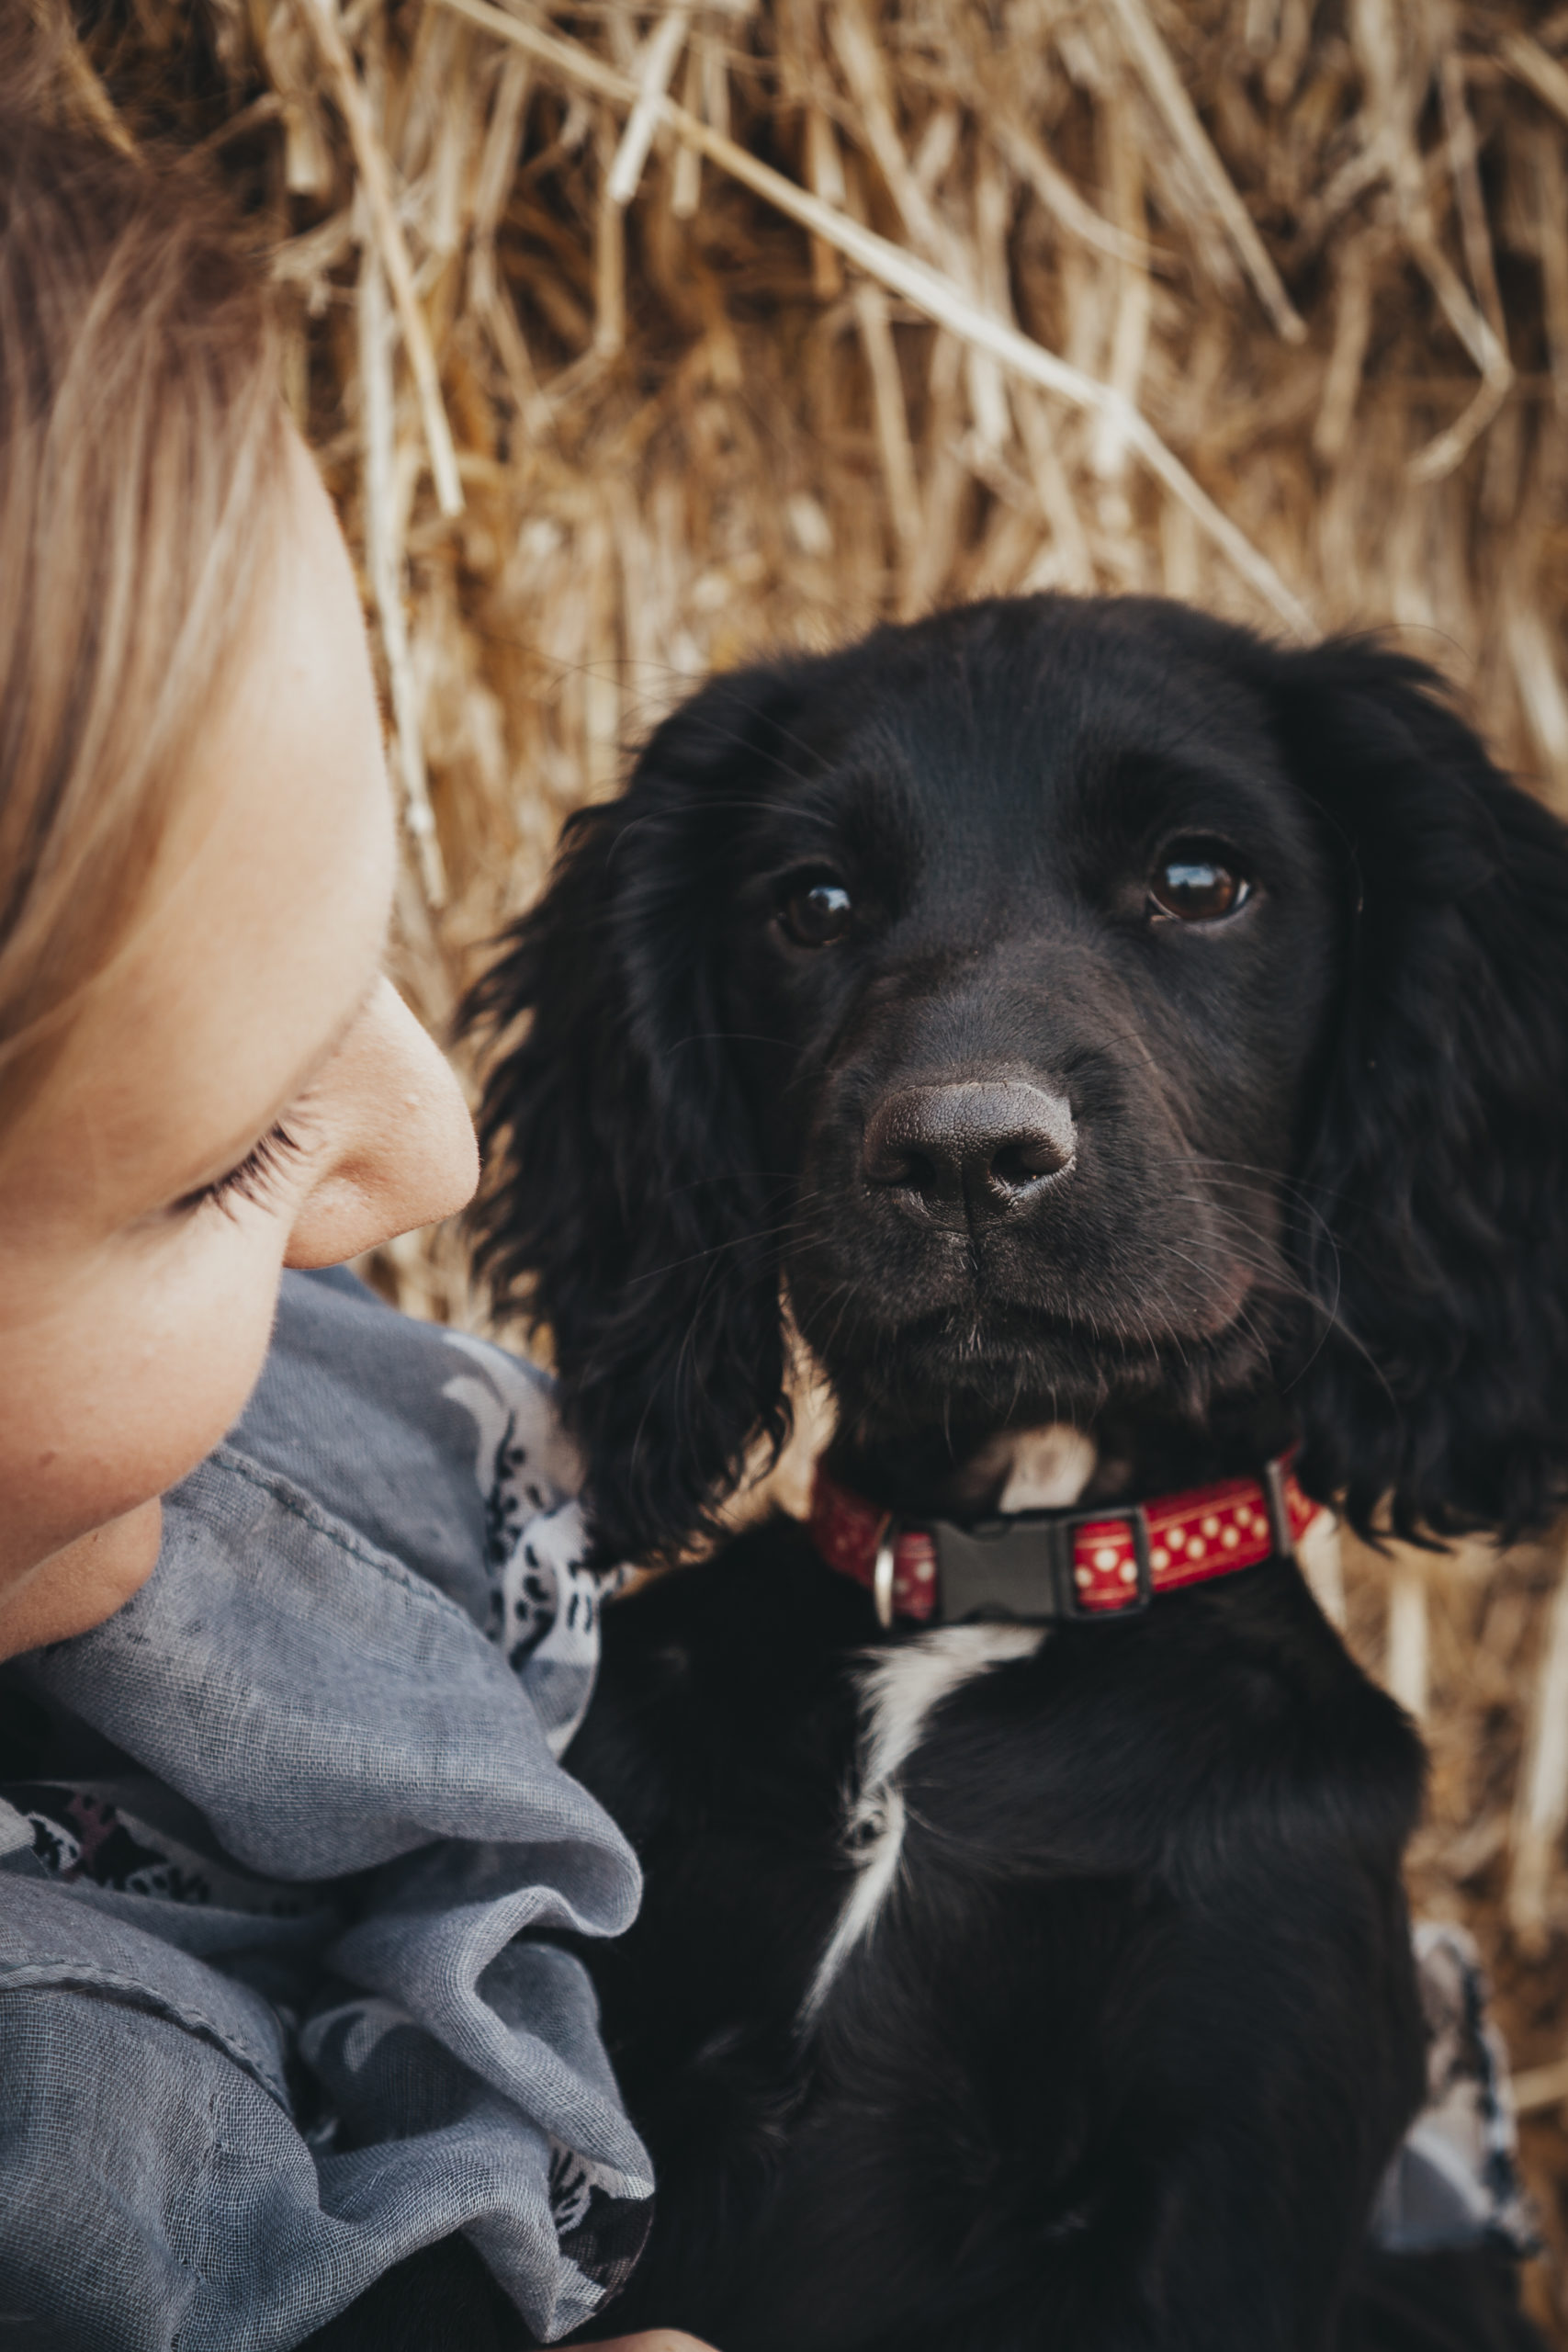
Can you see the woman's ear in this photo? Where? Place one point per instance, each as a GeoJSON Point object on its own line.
{"type": "Point", "coordinates": [622, 1200]}
{"type": "Point", "coordinates": [1435, 1186]}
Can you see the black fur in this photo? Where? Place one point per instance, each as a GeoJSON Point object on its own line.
{"type": "Point", "coordinates": [1393, 1049]}
{"type": "Point", "coordinates": [1123, 2059]}
{"type": "Point", "coordinates": [1122, 2063]}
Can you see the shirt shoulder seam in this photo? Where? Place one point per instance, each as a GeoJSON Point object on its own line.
{"type": "Point", "coordinates": [303, 1506]}
{"type": "Point", "coordinates": [87, 1978]}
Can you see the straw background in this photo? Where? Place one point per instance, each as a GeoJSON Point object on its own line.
{"type": "Point", "coordinates": [1263, 303]}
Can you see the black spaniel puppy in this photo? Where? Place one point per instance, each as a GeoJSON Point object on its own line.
{"type": "Point", "coordinates": [1135, 1058]}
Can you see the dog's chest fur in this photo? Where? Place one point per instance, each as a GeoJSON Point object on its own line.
{"type": "Point", "coordinates": [937, 1929]}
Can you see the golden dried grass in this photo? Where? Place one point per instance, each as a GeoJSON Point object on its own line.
{"type": "Point", "coordinates": [634, 341]}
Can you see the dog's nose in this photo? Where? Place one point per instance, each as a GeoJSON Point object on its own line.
{"type": "Point", "coordinates": [974, 1151]}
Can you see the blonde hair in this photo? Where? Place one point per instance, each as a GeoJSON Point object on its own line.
{"type": "Point", "coordinates": [142, 440]}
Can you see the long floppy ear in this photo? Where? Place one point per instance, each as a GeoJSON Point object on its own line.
{"type": "Point", "coordinates": [1435, 1185]}
{"type": "Point", "coordinates": [622, 1202]}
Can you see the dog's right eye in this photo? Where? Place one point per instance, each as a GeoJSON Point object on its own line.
{"type": "Point", "coordinates": [816, 913]}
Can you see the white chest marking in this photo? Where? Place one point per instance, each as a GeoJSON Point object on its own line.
{"type": "Point", "coordinates": [897, 1693]}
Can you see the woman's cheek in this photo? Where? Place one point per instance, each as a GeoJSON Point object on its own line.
{"type": "Point", "coordinates": [113, 1397]}
{"type": "Point", "coordinates": [211, 1326]}
{"type": "Point", "coordinates": [146, 1389]}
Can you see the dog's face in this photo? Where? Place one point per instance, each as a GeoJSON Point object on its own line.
{"type": "Point", "coordinates": [1064, 1004]}
{"type": "Point", "coordinates": [1028, 946]}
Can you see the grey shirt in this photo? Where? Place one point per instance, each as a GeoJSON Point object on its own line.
{"type": "Point", "coordinates": [276, 1844]}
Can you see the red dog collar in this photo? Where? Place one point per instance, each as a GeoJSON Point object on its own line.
{"type": "Point", "coordinates": [1041, 1566]}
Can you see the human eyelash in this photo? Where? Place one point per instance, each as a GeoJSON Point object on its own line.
{"type": "Point", "coordinates": [251, 1179]}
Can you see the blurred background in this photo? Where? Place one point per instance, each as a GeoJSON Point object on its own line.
{"type": "Point", "coordinates": [633, 342]}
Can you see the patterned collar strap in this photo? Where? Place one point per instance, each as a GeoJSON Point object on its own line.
{"type": "Point", "coordinates": [1042, 1566]}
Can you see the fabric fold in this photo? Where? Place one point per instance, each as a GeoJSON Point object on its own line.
{"type": "Point", "coordinates": [294, 1814]}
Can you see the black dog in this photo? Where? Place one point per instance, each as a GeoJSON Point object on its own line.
{"type": "Point", "coordinates": [1090, 1019]}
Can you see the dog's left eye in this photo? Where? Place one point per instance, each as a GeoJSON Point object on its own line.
{"type": "Point", "coordinates": [1194, 883]}
{"type": "Point", "coordinates": [817, 912]}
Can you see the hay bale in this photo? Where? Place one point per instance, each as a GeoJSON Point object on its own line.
{"type": "Point", "coordinates": [637, 342]}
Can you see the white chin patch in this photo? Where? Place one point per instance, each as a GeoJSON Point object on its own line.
{"type": "Point", "coordinates": [1051, 1467]}
{"type": "Point", "coordinates": [899, 1690]}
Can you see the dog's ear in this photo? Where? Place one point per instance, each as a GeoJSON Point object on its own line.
{"type": "Point", "coordinates": [622, 1200]}
{"type": "Point", "coordinates": [1434, 1189]}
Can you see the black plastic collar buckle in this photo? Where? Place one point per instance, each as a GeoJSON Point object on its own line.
{"type": "Point", "coordinates": [1021, 1569]}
